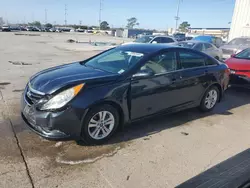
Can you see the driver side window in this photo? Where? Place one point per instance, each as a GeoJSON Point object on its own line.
{"type": "Point", "coordinates": [162, 63]}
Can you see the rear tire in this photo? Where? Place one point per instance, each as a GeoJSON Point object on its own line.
{"type": "Point", "coordinates": [210, 99]}
{"type": "Point", "coordinates": [99, 125]}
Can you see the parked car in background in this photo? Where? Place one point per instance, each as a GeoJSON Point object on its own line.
{"type": "Point", "coordinates": [179, 36]}
{"type": "Point", "coordinates": [204, 47]}
{"type": "Point", "coordinates": [32, 28]}
{"type": "Point", "coordinates": [52, 29]}
{"type": "Point", "coordinates": [154, 40]}
{"type": "Point", "coordinates": [6, 28]}
{"type": "Point", "coordinates": [45, 29]}
{"type": "Point", "coordinates": [217, 41]}
{"type": "Point", "coordinates": [239, 65]}
{"type": "Point", "coordinates": [235, 46]}
{"type": "Point", "coordinates": [80, 30]}
{"type": "Point", "coordinates": [189, 38]}
{"type": "Point", "coordinates": [90, 99]}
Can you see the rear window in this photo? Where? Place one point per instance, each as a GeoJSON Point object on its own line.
{"type": "Point", "coordinates": [191, 60]}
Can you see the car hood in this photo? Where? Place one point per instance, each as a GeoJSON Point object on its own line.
{"type": "Point", "coordinates": [50, 80]}
{"type": "Point", "coordinates": [238, 64]}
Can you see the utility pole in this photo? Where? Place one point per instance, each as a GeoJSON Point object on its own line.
{"type": "Point", "coordinates": [100, 14]}
{"type": "Point", "coordinates": [32, 17]}
{"type": "Point", "coordinates": [65, 14]}
{"type": "Point", "coordinates": [45, 14]}
{"type": "Point", "coordinates": [177, 15]}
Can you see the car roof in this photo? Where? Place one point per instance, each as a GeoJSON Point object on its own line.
{"type": "Point", "coordinates": [195, 41]}
{"type": "Point", "coordinates": [157, 36]}
{"type": "Point", "coordinates": [145, 48]}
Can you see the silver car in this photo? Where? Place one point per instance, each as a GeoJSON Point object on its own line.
{"type": "Point", "coordinates": [204, 47]}
{"type": "Point", "coordinates": [154, 39]}
{"type": "Point", "coordinates": [235, 46]}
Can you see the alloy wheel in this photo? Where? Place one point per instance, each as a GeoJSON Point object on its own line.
{"type": "Point", "coordinates": [101, 125]}
{"type": "Point", "coordinates": [211, 99]}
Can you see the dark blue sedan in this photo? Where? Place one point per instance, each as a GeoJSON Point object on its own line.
{"type": "Point", "coordinates": [89, 100]}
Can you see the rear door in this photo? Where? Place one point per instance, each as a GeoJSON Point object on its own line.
{"type": "Point", "coordinates": [193, 74]}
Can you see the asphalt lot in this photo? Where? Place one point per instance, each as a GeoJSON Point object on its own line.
{"type": "Point", "coordinates": [160, 152]}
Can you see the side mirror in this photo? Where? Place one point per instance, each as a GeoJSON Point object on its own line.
{"type": "Point", "coordinates": [142, 74]}
{"type": "Point", "coordinates": [154, 42]}
{"type": "Point", "coordinates": [233, 55]}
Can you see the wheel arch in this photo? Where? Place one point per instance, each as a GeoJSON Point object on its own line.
{"type": "Point", "coordinates": [219, 88]}
{"type": "Point", "coordinates": [113, 104]}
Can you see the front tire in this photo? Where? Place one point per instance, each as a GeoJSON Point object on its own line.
{"type": "Point", "coordinates": [210, 99]}
{"type": "Point", "coordinates": [100, 124]}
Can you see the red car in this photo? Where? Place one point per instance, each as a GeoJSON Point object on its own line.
{"type": "Point", "coordinates": [239, 65]}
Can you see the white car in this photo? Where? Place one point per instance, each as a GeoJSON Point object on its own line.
{"type": "Point", "coordinates": [154, 40]}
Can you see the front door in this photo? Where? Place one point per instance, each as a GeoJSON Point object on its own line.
{"type": "Point", "coordinates": [157, 92]}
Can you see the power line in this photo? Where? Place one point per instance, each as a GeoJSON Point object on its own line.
{"type": "Point", "coordinates": [177, 15]}
{"type": "Point", "coordinates": [100, 13]}
{"type": "Point", "coordinates": [45, 14]}
{"type": "Point", "coordinates": [65, 15]}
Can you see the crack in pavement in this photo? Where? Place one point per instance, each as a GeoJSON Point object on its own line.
{"type": "Point", "coordinates": [18, 145]}
{"type": "Point", "coordinates": [22, 154]}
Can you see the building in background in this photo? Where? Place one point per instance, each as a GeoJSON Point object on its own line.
{"type": "Point", "coordinates": [218, 32]}
{"type": "Point", "coordinates": [133, 33]}
{"type": "Point", "coordinates": [240, 25]}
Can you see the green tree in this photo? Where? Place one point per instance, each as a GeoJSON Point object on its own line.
{"type": "Point", "coordinates": [48, 25]}
{"type": "Point", "coordinates": [132, 22]}
{"type": "Point", "coordinates": [184, 26]}
{"type": "Point", "coordinates": [36, 24]}
{"type": "Point", "coordinates": [104, 25]}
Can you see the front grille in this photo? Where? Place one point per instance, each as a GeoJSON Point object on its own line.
{"type": "Point", "coordinates": [226, 51]}
{"type": "Point", "coordinates": [32, 97]}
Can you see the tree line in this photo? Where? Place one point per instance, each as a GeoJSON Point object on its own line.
{"type": "Point", "coordinates": [104, 25]}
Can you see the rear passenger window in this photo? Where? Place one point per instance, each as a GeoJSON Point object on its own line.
{"type": "Point", "coordinates": [207, 46]}
{"type": "Point", "coordinates": [191, 60]}
{"type": "Point", "coordinates": [199, 47]}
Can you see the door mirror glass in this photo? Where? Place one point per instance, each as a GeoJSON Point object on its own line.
{"type": "Point", "coordinates": [143, 74]}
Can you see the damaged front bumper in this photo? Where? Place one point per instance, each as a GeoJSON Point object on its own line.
{"type": "Point", "coordinates": [58, 125]}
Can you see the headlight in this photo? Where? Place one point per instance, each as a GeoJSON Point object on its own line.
{"type": "Point", "coordinates": [62, 98]}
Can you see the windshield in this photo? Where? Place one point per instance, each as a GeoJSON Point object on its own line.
{"type": "Point", "coordinates": [240, 41]}
{"type": "Point", "coordinates": [144, 39]}
{"type": "Point", "coordinates": [115, 60]}
{"type": "Point", "coordinates": [187, 44]}
{"type": "Point", "coordinates": [245, 54]}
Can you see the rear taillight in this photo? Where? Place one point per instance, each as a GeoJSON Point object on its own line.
{"type": "Point", "coordinates": [227, 71]}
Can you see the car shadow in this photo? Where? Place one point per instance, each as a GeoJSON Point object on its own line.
{"type": "Point", "coordinates": [234, 97]}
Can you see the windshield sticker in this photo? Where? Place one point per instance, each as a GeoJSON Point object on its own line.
{"type": "Point", "coordinates": [121, 71]}
{"type": "Point", "coordinates": [134, 54]}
